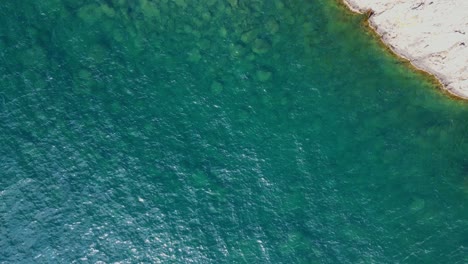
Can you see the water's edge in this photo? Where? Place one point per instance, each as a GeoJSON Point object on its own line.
{"type": "Point", "coordinates": [436, 80]}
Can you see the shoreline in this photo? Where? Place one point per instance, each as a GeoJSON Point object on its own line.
{"type": "Point", "coordinates": [455, 86]}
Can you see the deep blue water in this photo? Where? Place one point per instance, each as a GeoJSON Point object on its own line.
{"type": "Point", "coordinates": [262, 131]}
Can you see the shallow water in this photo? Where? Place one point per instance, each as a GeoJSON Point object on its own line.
{"type": "Point", "coordinates": [221, 132]}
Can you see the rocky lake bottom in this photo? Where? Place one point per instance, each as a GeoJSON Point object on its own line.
{"type": "Point", "coordinates": [210, 131]}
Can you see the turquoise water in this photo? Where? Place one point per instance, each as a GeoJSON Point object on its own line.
{"type": "Point", "coordinates": [262, 131]}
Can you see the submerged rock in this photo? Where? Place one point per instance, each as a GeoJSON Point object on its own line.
{"type": "Point", "coordinates": [33, 56]}
{"type": "Point", "coordinates": [200, 179]}
{"type": "Point", "coordinates": [417, 204]}
{"type": "Point", "coordinates": [272, 26]}
{"type": "Point", "coordinates": [233, 3]}
{"type": "Point", "coordinates": [206, 16]}
{"type": "Point", "coordinates": [236, 50]}
{"type": "Point", "coordinates": [261, 46]}
{"type": "Point", "coordinates": [107, 10]}
{"type": "Point", "coordinates": [188, 29]}
{"type": "Point", "coordinates": [289, 18]}
{"type": "Point", "coordinates": [97, 53]}
{"type": "Point", "coordinates": [250, 57]}
{"type": "Point", "coordinates": [194, 56]}
{"type": "Point", "coordinates": [203, 44]}
{"type": "Point", "coordinates": [90, 13]}
{"type": "Point", "coordinates": [221, 7]}
{"type": "Point", "coordinates": [223, 32]}
{"type": "Point", "coordinates": [85, 75]}
{"type": "Point", "coordinates": [249, 36]}
{"type": "Point", "coordinates": [149, 10]}
{"type": "Point", "coordinates": [180, 3]}
{"type": "Point", "coordinates": [264, 75]}
{"type": "Point", "coordinates": [210, 2]}
{"type": "Point", "coordinates": [279, 5]}
{"type": "Point", "coordinates": [308, 27]}
{"type": "Point", "coordinates": [217, 87]}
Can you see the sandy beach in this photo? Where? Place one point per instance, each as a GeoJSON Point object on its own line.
{"type": "Point", "coordinates": [432, 35]}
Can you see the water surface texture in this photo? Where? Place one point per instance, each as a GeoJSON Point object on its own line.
{"type": "Point", "coordinates": [262, 131]}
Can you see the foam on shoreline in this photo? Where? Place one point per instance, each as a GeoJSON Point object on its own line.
{"type": "Point", "coordinates": [431, 35]}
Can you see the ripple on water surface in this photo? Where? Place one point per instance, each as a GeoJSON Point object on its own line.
{"type": "Point", "coordinates": [220, 131]}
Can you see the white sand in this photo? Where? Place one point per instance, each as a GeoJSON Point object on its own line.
{"type": "Point", "coordinates": [431, 34]}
